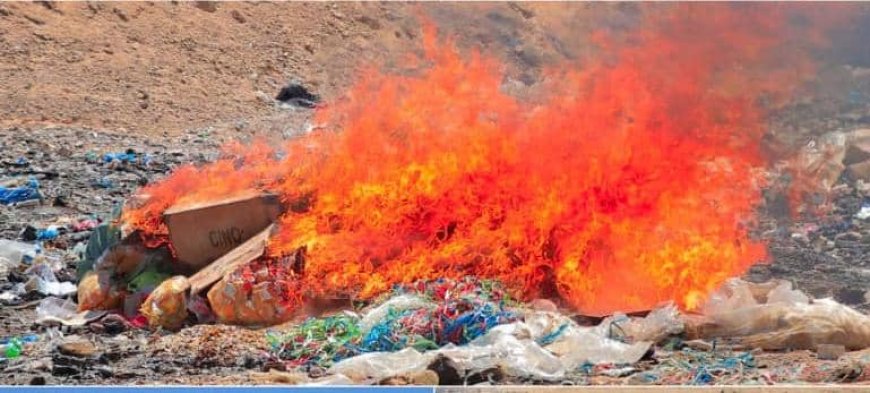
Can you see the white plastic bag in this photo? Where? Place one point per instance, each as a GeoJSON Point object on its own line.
{"type": "Point", "coordinates": [52, 309]}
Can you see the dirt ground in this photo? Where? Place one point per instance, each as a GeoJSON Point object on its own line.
{"type": "Point", "coordinates": [177, 79]}
{"type": "Point", "coordinates": [166, 67]}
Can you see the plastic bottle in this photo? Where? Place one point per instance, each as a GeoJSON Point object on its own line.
{"type": "Point", "coordinates": [13, 348]}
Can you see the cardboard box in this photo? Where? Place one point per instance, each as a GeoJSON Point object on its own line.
{"type": "Point", "coordinates": [248, 251]}
{"type": "Point", "coordinates": [202, 232]}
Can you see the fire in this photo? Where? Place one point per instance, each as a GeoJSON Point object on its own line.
{"type": "Point", "coordinates": [633, 182]}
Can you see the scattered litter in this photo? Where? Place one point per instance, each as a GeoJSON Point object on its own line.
{"type": "Point", "coordinates": [43, 280]}
{"type": "Point", "coordinates": [470, 322]}
{"type": "Point", "coordinates": [864, 213]}
{"type": "Point", "coordinates": [49, 233]}
{"type": "Point", "coordinates": [424, 316]}
{"type": "Point", "coordinates": [85, 225]}
{"type": "Point", "coordinates": [16, 195]}
{"type": "Point", "coordinates": [12, 348]}
{"type": "Point", "coordinates": [52, 309]}
{"type": "Point", "coordinates": [127, 157]}
{"type": "Point", "coordinates": [297, 95]}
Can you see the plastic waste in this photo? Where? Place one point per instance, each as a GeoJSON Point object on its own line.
{"type": "Point", "coordinates": [656, 326]}
{"type": "Point", "coordinates": [380, 365]}
{"type": "Point", "coordinates": [166, 306]}
{"type": "Point", "coordinates": [102, 238]}
{"type": "Point", "coordinates": [512, 347]}
{"type": "Point", "coordinates": [200, 308]}
{"type": "Point", "coordinates": [147, 280]}
{"type": "Point", "coordinates": [783, 293]}
{"type": "Point", "coordinates": [96, 292]}
{"type": "Point", "coordinates": [52, 309]}
{"type": "Point", "coordinates": [579, 346]}
{"type": "Point", "coordinates": [734, 294]}
{"type": "Point", "coordinates": [128, 156]}
{"type": "Point", "coordinates": [49, 233]}
{"type": "Point", "coordinates": [261, 304]}
{"type": "Point", "coordinates": [43, 280]}
{"type": "Point", "coordinates": [783, 319]}
{"type": "Point", "coordinates": [79, 250]}
{"type": "Point", "coordinates": [12, 253]}
{"type": "Point", "coordinates": [864, 213]}
{"type": "Point", "coordinates": [14, 195]}
{"type": "Point", "coordinates": [13, 347]}
{"type": "Point", "coordinates": [395, 304]}
{"type": "Point", "coordinates": [85, 225]}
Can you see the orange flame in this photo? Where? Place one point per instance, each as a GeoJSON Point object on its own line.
{"type": "Point", "coordinates": [633, 183]}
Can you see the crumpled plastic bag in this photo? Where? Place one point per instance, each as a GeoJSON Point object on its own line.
{"type": "Point", "coordinates": [166, 306]}
{"type": "Point", "coordinates": [52, 309]}
{"type": "Point", "coordinates": [782, 318]}
{"type": "Point", "coordinates": [96, 292]}
{"type": "Point", "coordinates": [43, 280]}
{"type": "Point", "coordinates": [505, 346]}
{"type": "Point", "coordinates": [660, 323]}
{"type": "Point", "coordinates": [578, 346]}
{"type": "Point", "coordinates": [259, 306]}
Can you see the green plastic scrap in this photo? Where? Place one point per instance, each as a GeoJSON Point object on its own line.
{"type": "Point", "coordinates": [148, 279]}
{"type": "Point", "coordinates": [103, 237]}
{"type": "Point", "coordinates": [13, 349]}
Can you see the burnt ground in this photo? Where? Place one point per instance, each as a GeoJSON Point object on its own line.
{"type": "Point", "coordinates": [212, 76]}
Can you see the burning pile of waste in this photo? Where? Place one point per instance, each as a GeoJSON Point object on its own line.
{"type": "Point", "coordinates": [633, 184]}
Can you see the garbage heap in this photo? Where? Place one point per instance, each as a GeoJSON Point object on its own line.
{"type": "Point", "coordinates": [212, 274]}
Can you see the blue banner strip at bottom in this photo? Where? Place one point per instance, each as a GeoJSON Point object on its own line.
{"type": "Point", "coordinates": [215, 389]}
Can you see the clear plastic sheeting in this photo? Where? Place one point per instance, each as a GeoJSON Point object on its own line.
{"type": "Point", "coordinates": [380, 365]}
{"type": "Point", "coordinates": [783, 293]}
{"type": "Point", "coordinates": [657, 325]}
{"type": "Point", "coordinates": [12, 253]}
{"type": "Point", "coordinates": [774, 316]}
{"type": "Point", "coordinates": [55, 310]}
{"type": "Point", "coordinates": [547, 346]}
{"type": "Point", "coordinates": [43, 280]}
{"type": "Point", "coordinates": [579, 346]}
{"type": "Point", "coordinates": [508, 347]}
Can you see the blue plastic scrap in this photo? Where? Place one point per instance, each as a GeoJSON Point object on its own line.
{"type": "Point", "coordinates": [49, 233]}
{"type": "Point", "coordinates": [702, 376]}
{"type": "Point", "coordinates": [553, 336]}
{"type": "Point", "coordinates": [11, 195]}
{"type": "Point", "coordinates": [123, 157]}
{"type": "Point", "coordinates": [30, 338]}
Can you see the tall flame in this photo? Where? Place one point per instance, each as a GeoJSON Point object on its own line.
{"type": "Point", "coordinates": [633, 182]}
